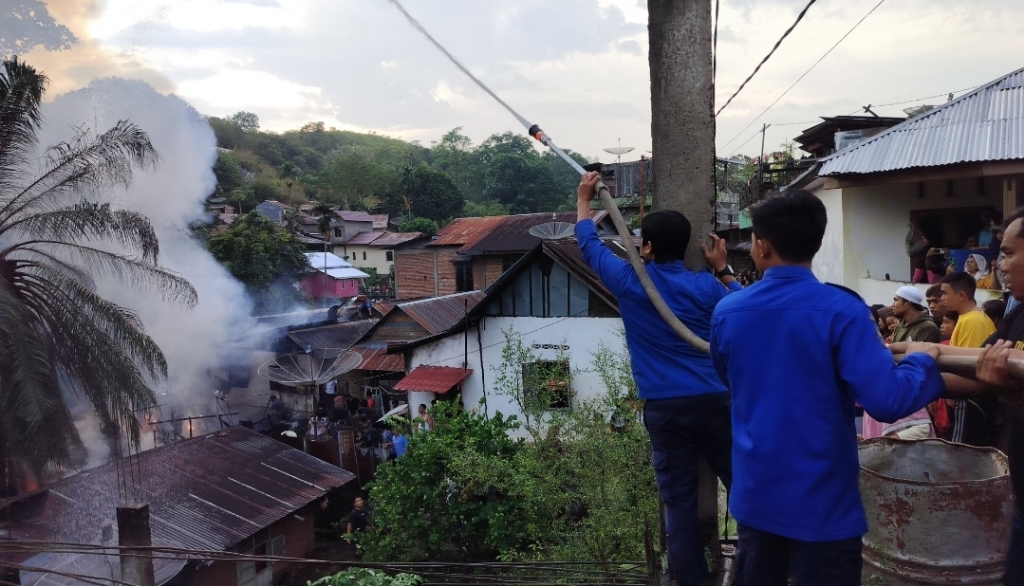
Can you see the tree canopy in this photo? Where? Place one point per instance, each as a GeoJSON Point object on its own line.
{"type": "Point", "coordinates": [265, 258]}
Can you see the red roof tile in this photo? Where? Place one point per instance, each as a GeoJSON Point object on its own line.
{"type": "Point", "coordinates": [463, 231]}
{"type": "Point", "coordinates": [432, 379]}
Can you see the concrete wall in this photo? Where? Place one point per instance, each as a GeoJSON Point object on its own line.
{"type": "Point", "coordinates": [582, 335]}
{"type": "Point", "coordinates": [363, 256]}
{"type": "Point", "coordinates": [875, 222]}
{"type": "Point", "coordinates": [828, 264]}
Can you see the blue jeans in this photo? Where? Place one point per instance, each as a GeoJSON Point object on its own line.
{"type": "Point", "coordinates": [1014, 575]}
{"type": "Point", "coordinates": [766, 559]}
{"type": "Point", "coordinates": [681, 430]}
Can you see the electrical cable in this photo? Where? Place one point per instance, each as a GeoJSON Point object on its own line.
{"type": "Point", "coordinates": [809, 69]}
{"type": "Point", "coordinates": [799, 17]}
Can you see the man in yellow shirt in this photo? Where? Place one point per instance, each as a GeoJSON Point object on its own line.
{"type": "Point", "coordinates": [971, 418]}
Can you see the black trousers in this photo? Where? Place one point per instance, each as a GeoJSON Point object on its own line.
{"type": "Point", "coordinates": [766, 559]}
{"type": "Point", "coordinates": [681, 430]}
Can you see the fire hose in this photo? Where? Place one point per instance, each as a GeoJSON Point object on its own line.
{"type": "Point", "coordinates": [606, 199]}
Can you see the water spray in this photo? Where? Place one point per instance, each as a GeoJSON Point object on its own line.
{"type": "Point", "coordinates": [625, 235]}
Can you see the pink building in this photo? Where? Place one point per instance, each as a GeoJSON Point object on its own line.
{"type": "Point", "coordinates": [335, 278]}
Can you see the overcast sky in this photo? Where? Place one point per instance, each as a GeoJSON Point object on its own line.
{"type": "Point", "coordinates": [576, 67]}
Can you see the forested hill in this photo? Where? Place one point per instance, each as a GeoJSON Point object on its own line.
{"type": "Point", "coordinates": [452, 178]}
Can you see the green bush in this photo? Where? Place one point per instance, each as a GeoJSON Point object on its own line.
{"type": "Point", "coordinates": [425, 225]}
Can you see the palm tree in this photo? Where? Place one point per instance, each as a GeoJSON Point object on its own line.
{"type": "Point", "coordinates": [57, 334]}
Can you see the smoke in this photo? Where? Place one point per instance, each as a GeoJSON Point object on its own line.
{"type": "Point", "coordinates": [195, 341]}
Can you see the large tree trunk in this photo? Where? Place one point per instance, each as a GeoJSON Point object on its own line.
{"type": "Point", "coordinates": [683, 134]}
{"type": "Point", "coordinates": [682, 114]}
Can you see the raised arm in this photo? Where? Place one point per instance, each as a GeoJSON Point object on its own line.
{"type": "Point", "coordinates": [614, 271]}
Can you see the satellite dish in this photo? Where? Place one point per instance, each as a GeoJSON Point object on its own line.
{"type": "Point", "coordinates": [397, 220]}
{"type": "Point", "coordinates": [305, 368]}
{"type": "Point", "coordinates": [617, 151]}
{"type": "Point", "coordinates": [553, 230]}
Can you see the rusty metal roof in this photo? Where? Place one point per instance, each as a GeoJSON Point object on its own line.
{"type": "Point", "coordinates": [463, 231]}
{"type": "Point", "coordinates": [377, 358]}
{"type": "Point", "coordinates": [512, 235]}
{"type": "Point", "coordinates": [331, 336]}
{"type": "Point", "coordinates": [432, 379]}
{"type": "Point", "coordinates": [986, 124]}
{"type": "Point", "coordinates": [354, 216]}
{"type": "Point", "coordinates": [364, 238]}
{"type": "Point", "coordinates": [392, 239]}
{"type": "Point", "coordinates": [441, 313]}
{"type": "Point", "coordinates": [210, 492]}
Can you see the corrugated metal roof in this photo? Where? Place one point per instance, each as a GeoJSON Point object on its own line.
{"type": "Point", "coordinates": [316, 259]}
{"type": "Point", "coordinates": [392, 239]}
{"type": "Point", "coordinates": [349, 273]}
{"type": "Point", "coordinates": [986, 124]}
{"type": "Point", "coordinates": [513, 234]}
{"type": "Point", "coordinates": [349, 216]}
{"type": "Point", "coordinates": [463, 231]}
{"type": "Point", "coordinates": [206, 493]}
{"type": "Point", "coordinates": [379, 359]}
{"type": "Point", "coordinates": [332, 336]}
{"type": "Point", "coordinates": [364, 238]}
{"type": "Point", "coordinates": [432, 379]}
{"type": "Point", "coordinates": [441, 313]}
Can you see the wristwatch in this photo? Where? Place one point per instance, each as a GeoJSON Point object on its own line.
{"type": "Point", "coordinates": [726, 272]}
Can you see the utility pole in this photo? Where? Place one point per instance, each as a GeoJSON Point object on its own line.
{"type": "Point", "coordinates": [683, 136]}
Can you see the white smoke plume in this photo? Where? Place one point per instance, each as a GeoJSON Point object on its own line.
{"type": "Point", "coordinates": [172, 196]}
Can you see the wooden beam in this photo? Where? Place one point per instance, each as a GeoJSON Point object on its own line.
{"type": "Point", "coordinates": [947, 172]}
{"type": "Point", "coordinates": [1009, 195]}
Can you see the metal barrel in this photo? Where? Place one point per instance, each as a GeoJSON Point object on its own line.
{"type": "Point", "coordinates": [938, 512]}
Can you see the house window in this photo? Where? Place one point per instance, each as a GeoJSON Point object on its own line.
{"type": "Point", "coordinates": [463, 277]}
{"type": "Point", "coordinates": [338, 232]}
{"type": "Point", "coordinates": [256, 573]}
{"type": "Point", "coordinates": [547, 384]}
{"type": "Point", "coordinates": [389, 256]}
{"type": "Point", "coordinates": [364, 255]}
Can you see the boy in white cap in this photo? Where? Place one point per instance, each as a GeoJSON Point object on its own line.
{"type": "Point", "coordinates": [915, 323]}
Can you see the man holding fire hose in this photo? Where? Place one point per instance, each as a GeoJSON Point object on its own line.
{"type": "Point", "coordinates": [687, 406]}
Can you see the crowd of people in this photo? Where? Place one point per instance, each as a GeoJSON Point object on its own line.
{"type": "Point", "coordinates": [773, 408]}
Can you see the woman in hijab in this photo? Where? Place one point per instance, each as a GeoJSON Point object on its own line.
{"type": "Point", "coordinates": [976, 266]}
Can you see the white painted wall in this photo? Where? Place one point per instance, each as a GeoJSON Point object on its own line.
{"type": "Point", "coordinates": [875, 223]}
{"type": "Point", "coordinates": [828, 263]}
{"type": "Point", "coordinates": [375, 257]}
{"type": "Point", "coordinates": [583, 335]}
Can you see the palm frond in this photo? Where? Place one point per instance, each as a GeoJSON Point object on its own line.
{"type": "Point", "coordinates": [130, 271]}
{"type": "Point", "coordinates": [84, 164]}
{"type": "Point", "coordinates": [21, 92]}
{"type": "Point", "coordinates": [88, 221]}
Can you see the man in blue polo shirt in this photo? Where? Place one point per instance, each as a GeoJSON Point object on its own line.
{"type": "Point", "coordinates": [797, 354]}
{"type": "Point", "coordinates": [687, 406]}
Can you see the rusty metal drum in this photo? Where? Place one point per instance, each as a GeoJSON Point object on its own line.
{"type": "Point", "coordinates": [938, 513]}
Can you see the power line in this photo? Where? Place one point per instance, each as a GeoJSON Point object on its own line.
{"type": "Point", "coordinates": [799, 17]}
{"type": "Point", "coordinates": [942, 95]}
{"type": "Point", "coordinates": [804, 74]}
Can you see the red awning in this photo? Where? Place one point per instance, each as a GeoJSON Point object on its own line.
{"type": "Point", "coordinates": [432, 379]}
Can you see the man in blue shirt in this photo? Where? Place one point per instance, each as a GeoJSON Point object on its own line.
{"type": "Point", "coordinates": [687, 406]}
{"type": "Point", "coordinates": [797, 354]}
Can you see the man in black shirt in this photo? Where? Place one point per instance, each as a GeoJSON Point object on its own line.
{"type": "Point", "coordinates": [357, 519]}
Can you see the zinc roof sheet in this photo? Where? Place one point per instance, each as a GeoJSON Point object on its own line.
{"type": "Point", "coordinates": [209, 492]}
{"type": "Point", "coordinates": [512, 235]}
{"type": "Point", "coordinates": [379, 359]}
{"type": "Point", "coordinates": [986, 124]}
{"type": "Point", "coordinates": [345, 273]}
{"type": "Point", "coordinates": [432, 379]}
{"type": "Point", "coordinates": [316, 259]}
{"type": "Point", "coordinates": [349, 216]}
{"type": "Point", "coordinates": [392, 239]}
{"type": "Point", "coordinates": [364, 238]}
{"type": "Point", "coordinates": [441, 313]}
{"type": "Point", "coordinates": [332, 336]}
{"type": "Point", "coordinates": [463, 231]}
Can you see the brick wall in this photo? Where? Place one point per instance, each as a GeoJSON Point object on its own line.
{"type": "Point", "coordinates": [414, 273]}
{"type": "Point", "coordinates": [415, 270]}
{"type": "Point", "coordinates": [492, 269]}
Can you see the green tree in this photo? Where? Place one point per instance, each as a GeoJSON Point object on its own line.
{"type": "Point", "coordinates": [430, 194]}
{"type": "Point", "coordinates": [247, 121]}
{"type": "Point", "coordinates": [517, 176]}
{"type": "Point", "coordinates": [56, 333]}
{"type": "Point", "coordinates": [265, 258]}
{"type": "Point", "coordinates": [228, 173]}
{"type": "Point", "coordinates": [473, 209]}
{"type": "Point", "coordinates": [424, 225]}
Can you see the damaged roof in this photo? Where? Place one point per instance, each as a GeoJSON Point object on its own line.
{"type": "Point", "coordinates": [209, 493]}
{"type": "Point", "coordinates": [331, 336]}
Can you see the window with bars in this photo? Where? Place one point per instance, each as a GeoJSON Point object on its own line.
{"type": "Point", "coordinates": [547, 382]}
{"type": "Point", "coordinates": [463, 277]}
